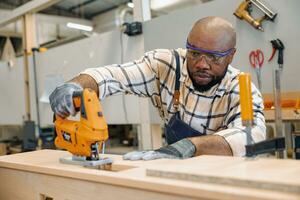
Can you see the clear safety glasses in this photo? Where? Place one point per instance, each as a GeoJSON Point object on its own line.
{"type": "Point", "coordinates": [214, 57]}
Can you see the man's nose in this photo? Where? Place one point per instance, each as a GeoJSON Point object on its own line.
{"type": "Point", "coordinates": [202, 63]}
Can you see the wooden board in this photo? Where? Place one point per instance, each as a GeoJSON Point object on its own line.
{"type": "Point", "coordinates": [288, 114]}
{"type": "Point", "coordinates": [269, 174]}
{"type": "Point", "coordinates": [34, 174]}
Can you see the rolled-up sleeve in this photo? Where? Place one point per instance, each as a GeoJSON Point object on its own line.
{"type": "Point", "coordinates": [235, 133]}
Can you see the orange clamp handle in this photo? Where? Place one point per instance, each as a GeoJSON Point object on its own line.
{"type": "Point", "coordinates": [246, 96]}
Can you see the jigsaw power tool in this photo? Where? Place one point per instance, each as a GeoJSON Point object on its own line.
{"type": "Point", "coordinates": [84, 138]}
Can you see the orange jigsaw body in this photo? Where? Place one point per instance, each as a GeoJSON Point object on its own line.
{"type": "Point", "coordinates": [77, 137]}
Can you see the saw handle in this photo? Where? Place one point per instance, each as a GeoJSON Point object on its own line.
{"type": "Point", "coordinates": [76, 101]}
{"type": "Point", "coordinates": [77, 95]}
{"type": "Point", "coordinates": [277, 45]}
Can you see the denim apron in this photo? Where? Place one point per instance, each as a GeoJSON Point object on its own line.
{"type": "Point", "coordinates": [177, 129]}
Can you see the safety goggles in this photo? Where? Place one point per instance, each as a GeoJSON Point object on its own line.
{"type": "Point", "coordinates": [215, 57]}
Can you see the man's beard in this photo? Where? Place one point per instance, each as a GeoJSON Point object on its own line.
{"type": "Point", "coordinates": [203, 88]}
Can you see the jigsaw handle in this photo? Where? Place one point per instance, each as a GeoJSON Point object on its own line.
{"type": "Point", "coordinates": [77, 100]}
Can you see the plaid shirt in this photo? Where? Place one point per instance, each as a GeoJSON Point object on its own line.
{"type": "Point", "coordinates": [216, 111]}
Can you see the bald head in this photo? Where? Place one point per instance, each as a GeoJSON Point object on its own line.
{"type": "Point", "coordinates": [213, 33]}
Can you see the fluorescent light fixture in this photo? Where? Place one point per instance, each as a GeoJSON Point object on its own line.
{"type": "Point", "coordinates": [79, 26]}
{"type": "Point", "coordinates": [158, 4]}
{"type": "Point", "coordinates": [130, 5]}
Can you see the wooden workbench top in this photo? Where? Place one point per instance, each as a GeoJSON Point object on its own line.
{"type": "Point", "coordinates": [217, 177]}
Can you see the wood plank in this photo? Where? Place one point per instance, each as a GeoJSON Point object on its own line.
{"type": "Point", "coordinates": [20, 185]}
{"type": "Point", "coordinates": [3, 149]}
{"type": "Point", "coordinates": [288, 114]}
{"type": "Point", "coordinates": [284, 95]}
{"type": "Point", "coordinates": [258, 170]}
{"type": "Point", "coordinates": [236, 182]}
{"type": "Point", "coordinates": [44, 165]}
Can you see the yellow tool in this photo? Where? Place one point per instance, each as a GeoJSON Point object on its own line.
{"type": "Point", "coordinates": [86, 137]}
{"type": "Point", "coordinates": [276, 145]}
{"type": "Point", "coordinates": [246, 104]}
{"type": "Point", "coordinates": [246, 99]}
{"type": "Point", "coordinates": [244, 12]}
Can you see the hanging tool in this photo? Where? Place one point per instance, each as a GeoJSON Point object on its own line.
{"type": "Point", "coordinates": [278, 45]}
{"type": "Point", "coordinates": [86, 137]}
{"type": "Point", "coordinates": [244, 12]}
{"type": "Point", "coordinates": [256, 59]}
{"type": "Point", "coordinates": [252, 148]}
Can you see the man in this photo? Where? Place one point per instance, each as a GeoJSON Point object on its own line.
{"type": "Point", "coordinates": [195, 91]}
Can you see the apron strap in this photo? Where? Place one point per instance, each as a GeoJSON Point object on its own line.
{"type": "Point", "coordinates": [177, 82]}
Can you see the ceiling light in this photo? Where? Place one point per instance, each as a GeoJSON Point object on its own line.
{"type": "Point", "coordinates": [79, 26]}
{"type": "Point", "coordinates": [130, 4]}
{"type": "Point", "coordinates": [158, 4]}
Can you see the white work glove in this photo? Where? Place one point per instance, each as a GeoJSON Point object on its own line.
{"type": "Point", "coordinates": [179, 150]}
{"type": "Point", "coordinates": [61, 99]}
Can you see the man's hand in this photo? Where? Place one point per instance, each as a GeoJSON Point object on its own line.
{"type": "Point", "coordinates": [179, 150]}
{"type": "Point", "coordinates": [61, 99]}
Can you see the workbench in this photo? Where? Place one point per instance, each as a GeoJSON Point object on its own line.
{"type": "Point", "coordinates": [39, 175]}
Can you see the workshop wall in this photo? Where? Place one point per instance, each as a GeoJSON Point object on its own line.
{"type": "Point", "coordinates": [286, 27]}
{"type": "Point", "coordinates": [67, 61]}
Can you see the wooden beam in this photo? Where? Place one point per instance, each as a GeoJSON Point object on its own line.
{"type": "Point", "coordinates": [141, 10]}
{"type": "Point", "coordinates": [29, 32]}
{"type": "Point", "coordinates": [10, 34]}
{"type": "Point", "coordinates": [30, 7]}
{"type": "Point", "coordinates": [29, 41]}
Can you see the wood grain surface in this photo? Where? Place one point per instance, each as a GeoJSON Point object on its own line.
{"type": "Point", "coordinates": [205, 177]}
